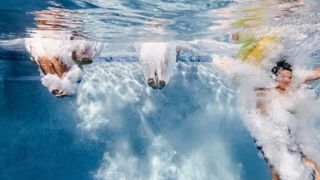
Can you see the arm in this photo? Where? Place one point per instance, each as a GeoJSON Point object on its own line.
{"type": "Point", "coordinates": [313, 77]}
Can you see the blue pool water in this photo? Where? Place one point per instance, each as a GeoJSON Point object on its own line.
{"type": "Point", "coordinates": [41, 137]}
{"type": "Point", "coordinates": [116, 127]}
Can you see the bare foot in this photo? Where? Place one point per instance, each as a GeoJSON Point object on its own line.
{"type": "Point", "coordinates": [58, 93]}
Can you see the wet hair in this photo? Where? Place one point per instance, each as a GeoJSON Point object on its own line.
{"type": "Point", "coordinates": [281, 65]}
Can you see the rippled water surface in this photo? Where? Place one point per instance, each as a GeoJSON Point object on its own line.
{"type": "Point", "coordinates": [116, 127]}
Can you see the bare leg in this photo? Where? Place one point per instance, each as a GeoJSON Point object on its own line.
{"type": "Point", "coordinates": [45, 65]}
{"type": "Point", "coordinates": [311, 164]}
{"type": "Point", "coordinates": [59, 67]}
{"type": "Point", "coordinates": [152, 83]}
{"type": "Point", "coordinates": [274, 174]}
{"type": "Point", "coordinates": [162, 83]}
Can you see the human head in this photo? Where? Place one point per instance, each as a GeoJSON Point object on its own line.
{"type": "Point", "coordinates": [235, 37]}
{"type": "Point", "coordinates": [283, 73]}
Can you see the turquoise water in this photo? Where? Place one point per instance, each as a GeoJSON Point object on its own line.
{"type": "Point", "coordinates": [116, 127]}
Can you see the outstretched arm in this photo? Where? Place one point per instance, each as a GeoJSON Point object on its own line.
{"type": "Point", "coordinates": [313, 77]}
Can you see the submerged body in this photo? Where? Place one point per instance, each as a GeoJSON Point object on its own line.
{"type": "Point", "coordinates": [270, 114]}
{"type": "Point", "coordinates": [157, 60]}
{"type": "Point", "coordinates": [59, 54]}
{"type": "Point", "coordinates": [53, 56]}
{"type": "Point", "coordinates": [276, 106]}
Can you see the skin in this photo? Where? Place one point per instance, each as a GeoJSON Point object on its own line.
{"type": "Point", "coordinates": [152, 84]}
{"type": "Point", "coordinates": [284, 84]}
{"type": "Point", "coordinates": [284, 80]}
{"type": "Point", "coordinates": [274, 174]}
{"type": "Point", "coordinates": [53, 66]}
{"type": "Point", "coordinates": [59, 67]}
{"type": "Point", "coordinates": [46, 64]}
{"type": "Point", "coordinates": [55, 19]}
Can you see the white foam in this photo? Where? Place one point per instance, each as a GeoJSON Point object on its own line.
{"type": "Point", "coordinates": [157, 57]}
{"type": "Point", "coordinates": [272, 132]}
{"type": "Point", "coordinates": [57, 44]}
{"type": "Point", "coordinates": [207, 162]}
{"type": "Point", "coordinates": [68, 83]}
{"type": "Point", "coordinates": [114, 97]}
{"type": "Point", "coordinates": [165, 157]}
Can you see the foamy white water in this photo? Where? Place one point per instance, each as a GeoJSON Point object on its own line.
{"type": "Point", "coordinates": [173, 133]}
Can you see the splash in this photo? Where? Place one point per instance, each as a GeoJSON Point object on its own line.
{"type": "Point", "coordinates": [157, 58]}
{"type": "Point", "coordinates": [174, 133]}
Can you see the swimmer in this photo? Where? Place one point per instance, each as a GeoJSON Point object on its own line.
{"type": "Point", "coordinates": [53, 66]}
{"type": "Point", "coordinates": [58, 52]}
{"type": "Point", "coordinates": [157, 60]}
{"type": "Point", "coordinates": [284, 78]}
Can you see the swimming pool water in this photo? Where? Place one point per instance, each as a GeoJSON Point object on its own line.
{"type": "Point", "coordinates": [116, 127]}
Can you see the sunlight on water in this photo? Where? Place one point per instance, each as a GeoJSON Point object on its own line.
{"type": "Point", "coordinates": [121, 103]}
{"type": "Point", "coordinates": [202, 123]}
